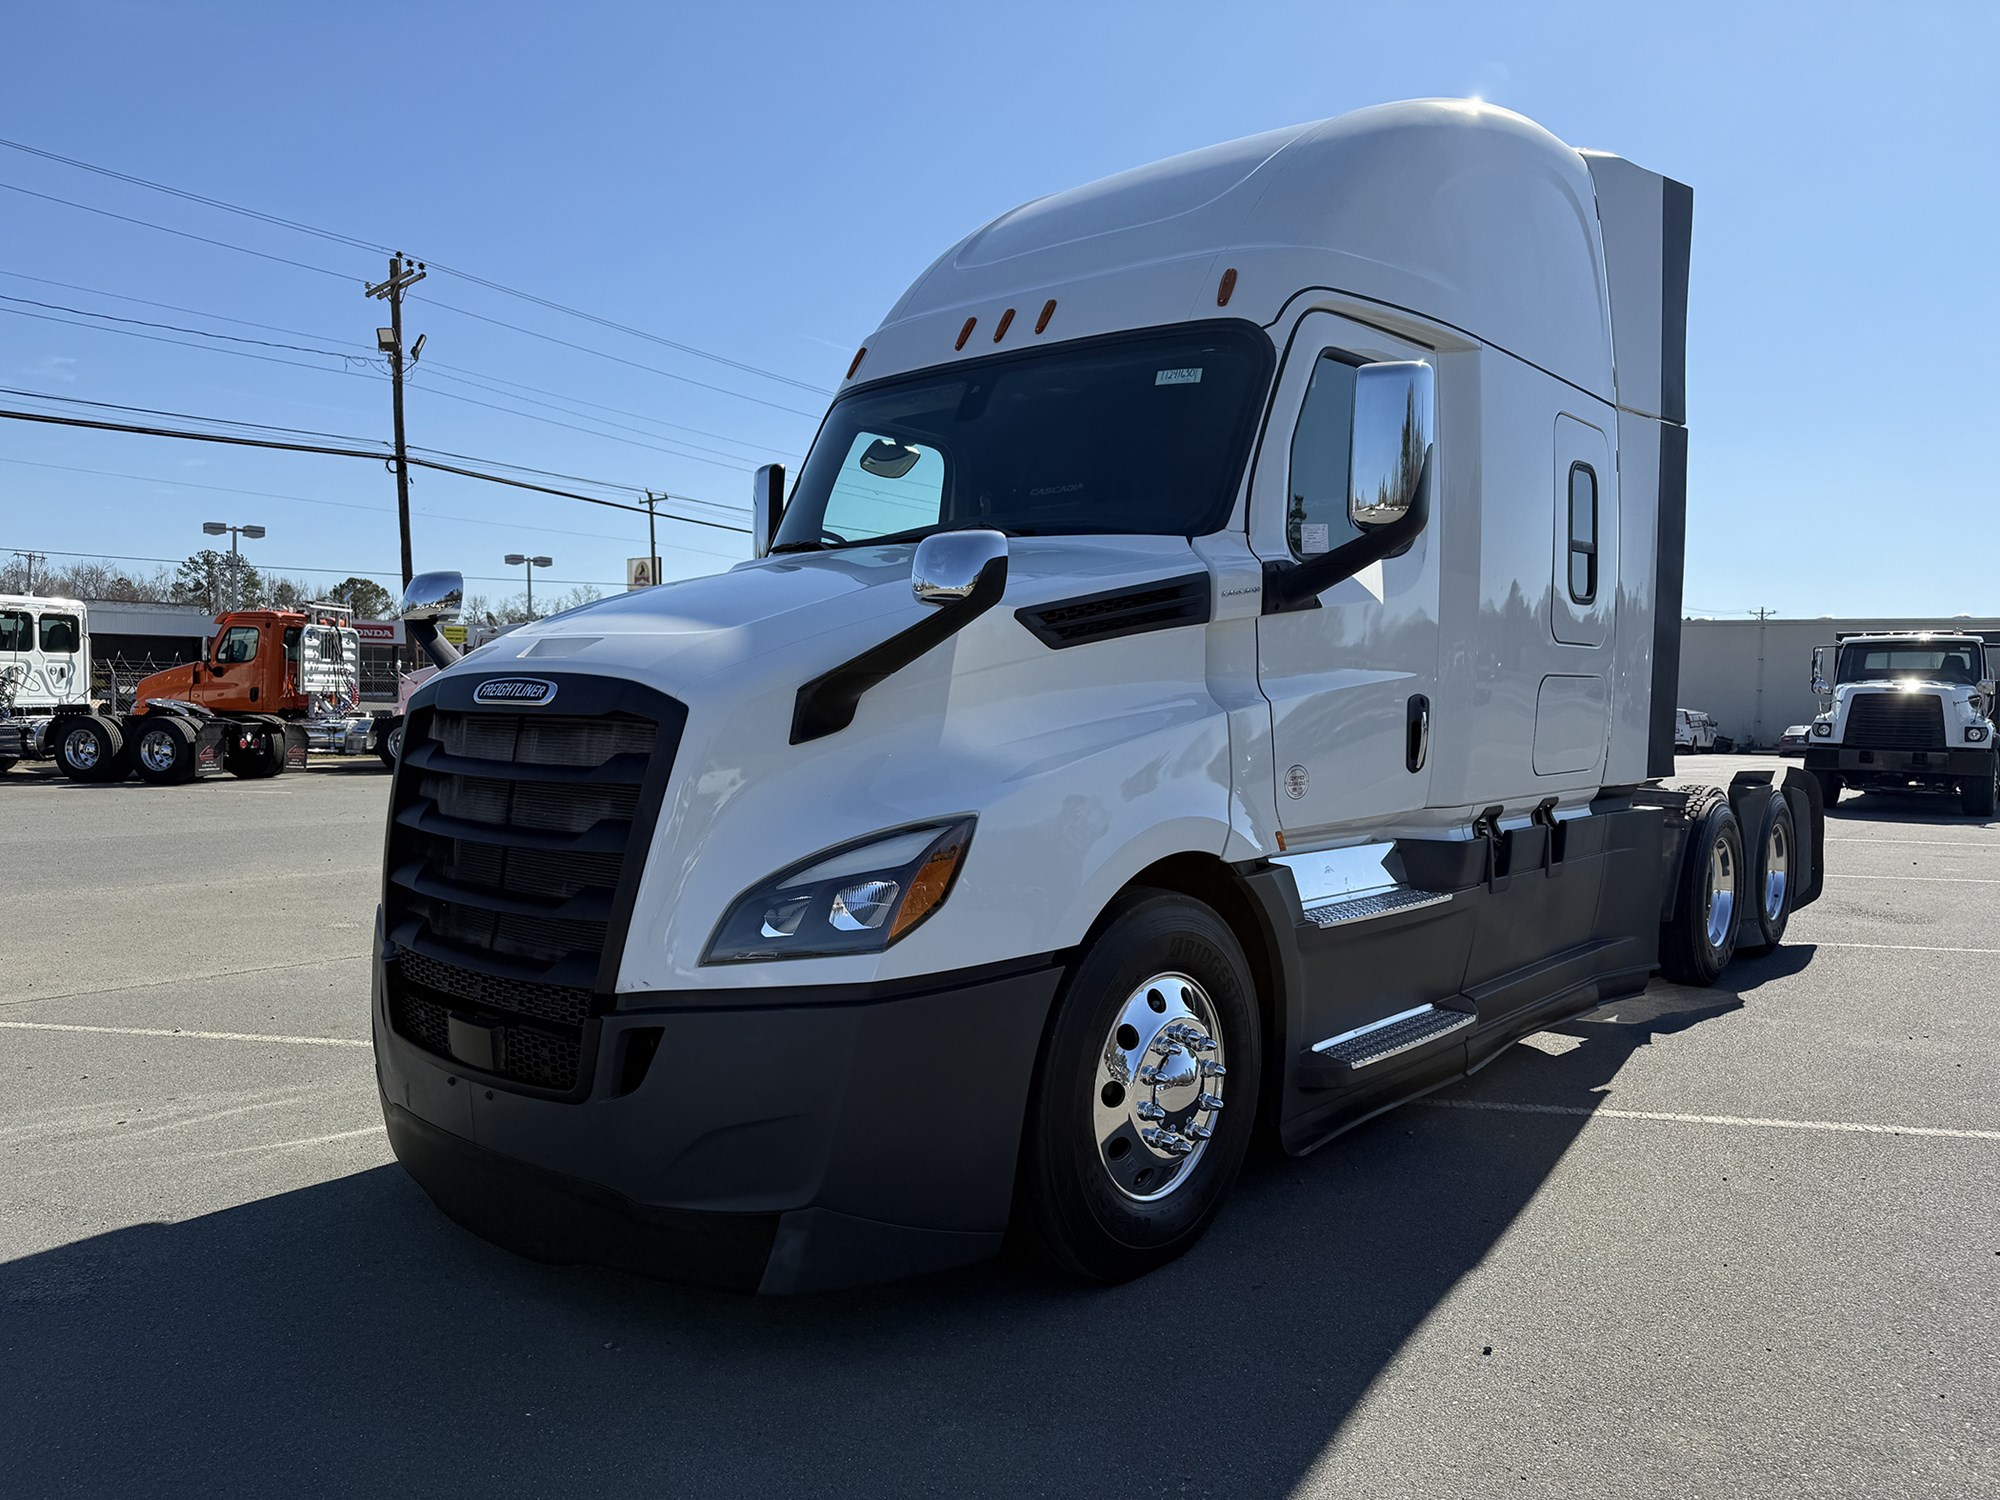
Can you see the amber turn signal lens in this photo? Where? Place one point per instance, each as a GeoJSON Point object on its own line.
{"type": "Point", "coordinates": [1227, 288]}
{"type": "Point", "coordinates": [859, 355]}
{"type": "Point", "coordinates": [932, 882]}
{"type": "Point", "coordinates": [965, 332]}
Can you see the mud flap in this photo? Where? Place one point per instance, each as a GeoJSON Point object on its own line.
{"type": "Point", "coordinates": [209, 748]}
{"type": "Point", "coordinates": [295, 746]}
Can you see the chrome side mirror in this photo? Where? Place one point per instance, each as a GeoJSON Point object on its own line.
{"type": "Point", "coordinates": [950, 563]}
{"type": "Point", "coordinates": [767, 508]}
{"type": "Point", "coordinates": [1394, 424]}
{"type": "Point", "coordinates": [434, 596]}
{"type": "Point", "coordinates": [1822, 681]}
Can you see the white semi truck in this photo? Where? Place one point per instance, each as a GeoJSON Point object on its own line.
{"type": "Point", "coordinates": [1908, 711]}
{"type": "Point", "coordinates": [1211, 676]}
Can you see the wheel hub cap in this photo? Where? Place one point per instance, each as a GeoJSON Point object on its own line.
{"type": "Point", "coordinates": [1721, 893]}
{"type": "Point", "coordinates": [1777, 870]}
{"type": "Point", "coordinates": [157, 751]}
{"type": "Point", "coordinates": [80, 748]}
{"type": "Point", "coordinates": [1159, 1087]}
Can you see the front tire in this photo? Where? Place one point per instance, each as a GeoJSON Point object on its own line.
{"type": "Point", "coordinates": [389, 743]}
{"type": "Point", "coordinates": [1145, 1097]}
{"type": "Point", "coordinates": [1978, 796]}
{"type": "Point", "coordinates": [1701, 937]}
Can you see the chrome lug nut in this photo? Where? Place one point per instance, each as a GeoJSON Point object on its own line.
{"type": "Point", "coordinates": [1170, 1141]}
{"type": "Point", "coordinates": [1148, 1110]}
{"type": "Point", "coordinates": [1208, 1101]}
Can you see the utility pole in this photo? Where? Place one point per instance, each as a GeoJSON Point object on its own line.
{"type": "Point", "coordinates": [652, 543]}
{"type": "Point", "coordinates": [403, 274]}
{"type": "Point", "coordinates": [1757, 721]}
{"type": "Point", "coordinates": [31, 558]}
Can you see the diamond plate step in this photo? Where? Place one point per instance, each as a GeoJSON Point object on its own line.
{"type": "Point", "coordinates": [1339, 912]}
{"type": "Point", "coordinates": [1393, 1036]}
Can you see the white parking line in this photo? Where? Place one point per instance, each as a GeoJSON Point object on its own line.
{"type": "Point", "coordinates": [1903, 947]}
{"type": "Point", "coordinates": [1989, 847]}
{"type": "Point", "coordinates": [1945, 879]}
{"type": "Point", "coordinates": [204, 1036]}
{"type": "Point", "coordinates": [1607, 1113]}
{"type": "Point", "coordinates": [153, 984]}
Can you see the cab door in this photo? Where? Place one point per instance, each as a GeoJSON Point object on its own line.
{"type": "Point", "coordinates": [1352, 681]}
{"type": "Point", "coordinates": [230, 676]}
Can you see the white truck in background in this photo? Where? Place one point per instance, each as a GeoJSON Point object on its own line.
{"type": "Point", "coordinates": [1211, 676]}
{"type": "Point", "coordinates": [1908, 711]}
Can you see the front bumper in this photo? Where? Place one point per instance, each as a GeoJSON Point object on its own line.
{"type": "Point", "coordinates": [1939, 765]}
{"type": "Point", "coordinates": [791, 1142]}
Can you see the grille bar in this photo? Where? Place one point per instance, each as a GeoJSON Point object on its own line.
{"type": "Point", "coordinates": [628, 770]}
{"type": "Point", "coordinates": [585, 906]}
{"type": "Point", "coordinates": [603, 839]}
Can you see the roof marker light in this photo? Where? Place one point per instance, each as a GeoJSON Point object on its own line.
{"type": "Point", "coordinates": [859, 355]}
{"type": "Point", "coordinates": [1228, 286]}
{"type": "Point", "coordinates": [1006, 322]}
{"type": "Point", "coordinates": [1048, 311]}
{"type": "Point", "coordinates": [965, 333]}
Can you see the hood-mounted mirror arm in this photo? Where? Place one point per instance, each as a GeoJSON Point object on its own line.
{"type": "Point", "coordinates": [945, 578]}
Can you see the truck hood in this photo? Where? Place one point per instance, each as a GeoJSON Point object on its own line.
{"type": "Point", "coordinates": [681, 634]}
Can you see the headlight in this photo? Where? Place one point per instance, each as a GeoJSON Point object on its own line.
{"type": "Point", "coordinates": [1975, 734]}
{"type": "Point", "coordinates": [857, 898]}
{"type": "Point", "coordinates": [1822, 727]}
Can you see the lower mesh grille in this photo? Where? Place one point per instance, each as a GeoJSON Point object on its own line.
{"type": "Point", "coordinates": [528, 1054]}
{"type": "Point", "coordinates": [548, 1002]}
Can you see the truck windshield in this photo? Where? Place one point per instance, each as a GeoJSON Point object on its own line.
{"type": "Point", "coordinates": [1138, 433]}
{"type": "Point", "coordinates": [1938, 661]}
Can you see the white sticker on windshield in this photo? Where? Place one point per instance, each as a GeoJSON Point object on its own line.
{"type": "Point", "coordinates": [1178, 377]}
{"type": "Point", "coordinates": [1313, 537]}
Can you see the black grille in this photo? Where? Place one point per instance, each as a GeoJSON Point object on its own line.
{"type": "Point", "coordinates": [515, 844]}
{"type": "Point", "coordinates": [1894, 721]}
{"type": "Point", "coordinates": [528, 1054]}
{"type": "Point", "coordinates": [1128, 611]}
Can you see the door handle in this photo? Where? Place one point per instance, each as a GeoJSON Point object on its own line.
{"type": "Point", "coordinates": [1417, 737]}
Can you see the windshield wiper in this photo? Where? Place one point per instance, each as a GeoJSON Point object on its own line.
{"type": "Point", "coordinates": [798, 547]}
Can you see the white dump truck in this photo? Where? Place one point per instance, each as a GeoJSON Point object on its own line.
{"type": "Point", "coordinates": [1210, 677]}
{"type": "Point", "coordinates": [1908, 711]}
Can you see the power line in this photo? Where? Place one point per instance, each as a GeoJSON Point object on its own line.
{"type": "Point", "coordinates": [181, 233]}
{"type": "Point", "coordinates": [84, 312]}
{"type": "Point", "coordinates": [725, 462]}
{"type": "Point", "coordinates": [429, 515]}
{"type": "Point", "coordinates": [444, 371]}
{"type": "Point", "coordinates": [331, 452]}
{"type": "Point", "coordinates": [195, 312]}
{"type": "Point", "coordinates": [156, 338]}
{"type": "Point", "coordinates": [282, 568]}
{"type": "Point", "coordinates": [616, 358]}
{"type": "Point", "coordinates": [359, 244]}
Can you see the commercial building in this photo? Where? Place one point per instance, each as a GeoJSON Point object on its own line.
{"type": "Point", "coordinates": [1755, 676]}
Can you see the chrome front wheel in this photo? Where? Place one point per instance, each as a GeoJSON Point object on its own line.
{"type": "Point", "coordinates": [1159, 1087]}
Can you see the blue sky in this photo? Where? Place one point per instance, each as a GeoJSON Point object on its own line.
{"type": "Point", "coordinates": [761, 181]}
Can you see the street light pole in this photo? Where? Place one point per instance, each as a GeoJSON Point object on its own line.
{"type": "Point", "coordinates": [217, 528]}
{"type": "Point", "coordinates": [522, 560]}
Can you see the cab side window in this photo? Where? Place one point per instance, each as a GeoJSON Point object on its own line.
{"type": "Point", "coordinates": [16, 630]}
{"type": "Point", "coordinates": [61, 635]}
{"type": "Point", "coordinates": [1322, 457]}
{"type": "Point", "coordinates": [1582, 534]}
{"type": "Point", "coordinates": [238, 644]}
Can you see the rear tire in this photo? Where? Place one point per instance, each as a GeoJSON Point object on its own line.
{"type": "Point", "coordinates": [263, 759]}
{"type": "Point", "coordinates": [91, 749]}
{"type": "Point", "coordinates": [1163, 987]}
{"type": "Point", "coordinates": [389, 743]}
{"type": "Point", "coordinates": [1701, 937]}
{"type": "Point", "coordinates": [1978, 796]}
{"type": "Point", "coordinates": [163, 750]}
{"type": "Point", "coordinates": [1773, 868]}
{"type": "Point", "coordinates": [1829, 786]}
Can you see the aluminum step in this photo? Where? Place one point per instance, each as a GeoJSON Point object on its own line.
{"type": "Point", "coordinates": [1392, 1036]}
{"type": "Point", "coordinates": [1363, 908]}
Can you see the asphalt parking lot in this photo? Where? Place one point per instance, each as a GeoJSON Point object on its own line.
{"type": "Point", "coordinates": [1732, 1242]}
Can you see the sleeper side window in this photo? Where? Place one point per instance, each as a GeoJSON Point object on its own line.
{"type": "Point", "coordinates": [1582, 534]}
{"type": "Point", "coordinates": [61, 635]}
{"type": "Point", "coordinates": [1322, 457]}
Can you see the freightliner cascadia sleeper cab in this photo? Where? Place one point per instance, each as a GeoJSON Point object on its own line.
{"type": "Point", "coordinates": [1210, 676]}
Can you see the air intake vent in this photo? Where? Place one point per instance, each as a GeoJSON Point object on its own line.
{"type": "Point", "coordinates": [515, 844]}
{"type": "Point", "coordinates": [1116, 612]}
{"type": "Point", "coordinates": [1894, 721]}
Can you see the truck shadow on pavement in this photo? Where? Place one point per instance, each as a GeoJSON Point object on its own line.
{"type": "Point", "coordinates": [345, 1338]}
